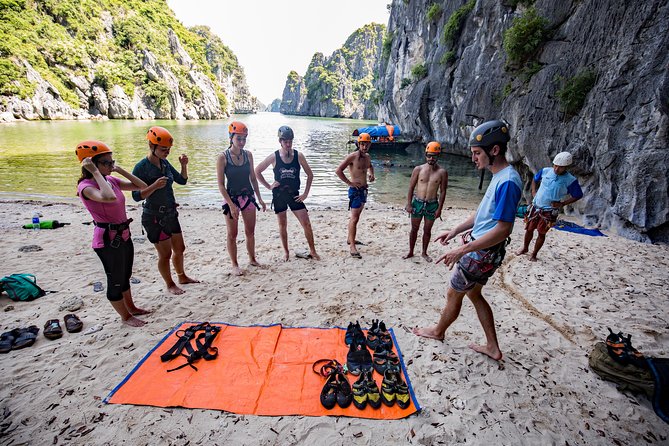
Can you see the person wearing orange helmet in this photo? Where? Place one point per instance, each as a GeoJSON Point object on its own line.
{"type": "Point", "coordinates": [425, 200]}
{"type": "Point", "coordinates": [159, 214]}
{"type": "Point", "coordinates": [102, 195]}
{"type": "Point", "coordinates": [287, 163]}
{"type": "Point", "coordinates": [360, 168]}
{"type": "Point", "coordinates": [238, 184]}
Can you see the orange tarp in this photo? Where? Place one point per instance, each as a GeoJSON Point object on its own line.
{"type": "Point", "coordinates": [261, 370]}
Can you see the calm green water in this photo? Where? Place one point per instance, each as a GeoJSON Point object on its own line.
{"type": "Point", "coordinates": [37, 159]}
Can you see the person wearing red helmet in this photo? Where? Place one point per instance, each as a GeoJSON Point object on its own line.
{"type": "Point", "coordinates": [360, 168]}
{"type": "Point", "coordinates": [159, 213]}
{"type": "Point", "coordinates": [428, 181]}
{"type": "Point", "coordinates": [287, 163]}
{"type": "Point", "coordinates": [101, 193]}
{"type": "Point", "coordinates": [238, 184]}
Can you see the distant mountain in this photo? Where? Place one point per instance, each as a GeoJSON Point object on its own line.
{"type": "Point", "coordinates": [131, 59]}
{"type": "Point", "coordinates": [340, 85]}
{"type": "Point", "coordinates": [275, 106]}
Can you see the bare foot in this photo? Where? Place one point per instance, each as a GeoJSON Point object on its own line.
{"type": "Point", "coordinates": [430, 333]}
{"type": "Point", "coordinates": [174, 289]}
{"type": "Point", "coordinates": [315, 256]}
{"type": "Point", "coordinates": [533, 258]}
{"type": "Point", "coordinates": [427, 258]}
{"type": "Point", "coordinates": [493, 352]}
{"type": "Point", "coordinates": [408, 256]}
{"type": "Point", "coordinates": [132, 321]}
{"type": "Point", "coordinates": [254, 262]}
{"type": "Point", "coordinates": [139, 311]}
{"type": "Point", "coordinates": [183, 278]}
{"type": "Point", "coordinates": [521, 251]}
{"type": "Point", "coordinates": [236, 271]}
{"type": "Point", "coordinates": [286, 257]}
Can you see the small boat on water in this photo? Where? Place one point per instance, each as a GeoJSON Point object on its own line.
{"type": "Point", "coordinates": [384, 137]}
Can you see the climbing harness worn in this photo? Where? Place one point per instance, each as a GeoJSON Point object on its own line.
{"type": "Point", "coordinates": [358, 192]}
{"type": "Point", "coordinates": [118, 227]}
{"type": "Point", "coordinates": [235, 200]}
{"type": "Point", "coordinates": [482, 263]}
{"type": "Point", "coordinates": [196, 340]}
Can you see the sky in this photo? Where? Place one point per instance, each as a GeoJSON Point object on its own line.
{"type": "Point", "coordinates": [272, 37]}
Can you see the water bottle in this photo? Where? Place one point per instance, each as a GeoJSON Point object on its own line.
{"type": "Point", "coordinates": [36, 222]}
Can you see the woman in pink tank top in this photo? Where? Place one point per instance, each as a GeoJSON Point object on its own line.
{"type": "Point", "coordinates": [102, 195]}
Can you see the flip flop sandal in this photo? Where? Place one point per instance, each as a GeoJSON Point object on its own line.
{"type": "Point", "coordinates": [356, 255]}
{"type": "Point", "coordinates": [303, 255]}
{"type": "Point", "coordinates": [72, 323]}
{"type": "Point", "coordinates": [97, 287]}
{"type": "Point", "coordinates": [7, 340]}
{"type": "Point", "coordinates": [26, 337]}
{"type": "Point", "coordinates": [52, 329]}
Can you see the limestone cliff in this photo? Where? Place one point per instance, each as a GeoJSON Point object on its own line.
{"type": "Point", "coordinates": [340, 85]}
{"type": "Point", "coordinates": [131, 59]}
{"type": "Point", "coordinates": [588, 77]}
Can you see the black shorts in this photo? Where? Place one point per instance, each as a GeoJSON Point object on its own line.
{"type": "Point", "coordinates": [283, 200]}
{"type": "Point", "coordinates": [160, 226]}
{"type": "Point", "coordinates": [117, 263]}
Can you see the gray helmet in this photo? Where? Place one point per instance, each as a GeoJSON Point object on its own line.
{"type": "Point", "coordinates": [490, 133]}
{"type": "Point", "coordinates": [286, 132]}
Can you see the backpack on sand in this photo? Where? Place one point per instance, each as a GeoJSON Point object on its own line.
{"type": "Point", "coordinates": [618, 361]}
{"type": "Point", "coordinates": [21, 287]}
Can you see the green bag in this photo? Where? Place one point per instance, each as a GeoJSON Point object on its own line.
{"type": "Point", "coordinates": [21, 287]}
{"type": "Point", "coordinates": [627, 377]}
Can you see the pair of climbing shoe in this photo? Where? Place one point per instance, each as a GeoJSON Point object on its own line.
{"type": "Point", "coordinates": [366, 391]}
{"type": "Point", "coordinates": [378, 335]}
{"type": "Point", "coordinates": [621, 350]}
{"type": "Point", "coordinates": [337, 390]}
{"type": "Point", "coordinates": [384, 360]}
{"type": "Point", "coordinates": [18, 338]}
{"type": "Point", "coordinates": [394, 389]}
{"type": "Point", "coordinates": [358, 359]}
{"type": "Point", "coordinates": [354, 334]}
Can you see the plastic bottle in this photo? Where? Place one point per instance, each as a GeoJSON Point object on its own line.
{"type": "Point", "coordinates": [36, 225]}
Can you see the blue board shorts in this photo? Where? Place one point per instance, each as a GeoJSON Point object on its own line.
{"type": "Point", "coordinates": [356, 197]}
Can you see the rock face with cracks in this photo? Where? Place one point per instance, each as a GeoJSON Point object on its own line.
{"type": "Point", "coordinates": [589, 78]}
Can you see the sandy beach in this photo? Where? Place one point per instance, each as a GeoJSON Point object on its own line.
{"type": "Point", "coordinates": [549, 314]}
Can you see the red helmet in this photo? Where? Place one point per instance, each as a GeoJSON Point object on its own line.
{"type": "Point", "coordinates": [237, 127]}
{"type": "Point", "coordinates": [160, 137]}
{"type": "Point", "coordinates": [90, 149]}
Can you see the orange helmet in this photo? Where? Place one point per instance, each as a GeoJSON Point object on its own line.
{"type": "Point", "coordinates": [364, 137]}
{"type": "Point", "coordinates": [160, 137]}
{"type": "Point", "coordinates": [91, 148]}
{"type": "Point", "coordinates": [237, 127]}
{"type": "Point", "coordinates": [434, 148]}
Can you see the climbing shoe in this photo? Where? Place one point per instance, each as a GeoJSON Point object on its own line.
{"type": "Point", "coordinates": [388, 388]}
{"type": "Point", "coordinates": [354, 334]}
{"type": "Point", "coordinates": [329, 392]}
{"type": "Point", "coordinates": [360, 392]}
{"type": "Point", "coordinates": [373, 394]}
{"type": "Point", "coordinates": [401, 391]}
{"type": "Point", "coordinates": [344, 393]}
{"type": "Point", "coordinates": [358, 358]}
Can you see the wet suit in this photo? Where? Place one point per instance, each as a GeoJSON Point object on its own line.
{"type": "Point", "coordinates": [238, 183]}
{"type": "Point", "coordinates": [288, 177]}
{"type": "Point", "coordinates": [159, 216]}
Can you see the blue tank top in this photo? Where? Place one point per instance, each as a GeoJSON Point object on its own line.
{"type": "Point", "coordinates": [287, 174]}
{"type": "Point", "coordinates": [237, 176]}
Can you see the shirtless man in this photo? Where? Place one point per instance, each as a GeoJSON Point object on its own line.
{"type": "Point", "coordinates": [427, 181]}
{"type": "Point", "coordinates": [358, 163]}
{"type": "Point", "coordinates": [286, 164]}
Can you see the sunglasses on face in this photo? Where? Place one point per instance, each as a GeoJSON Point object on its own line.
{"type": "Point", "coordinates": [431, 156]}
{"type": "Point", "coordinates": [107, 163]}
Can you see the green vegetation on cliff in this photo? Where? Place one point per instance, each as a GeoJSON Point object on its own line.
{"type": "Point", "coordinates": [105, 42]}
{"type": "Point", "coordinates": [525, 35]}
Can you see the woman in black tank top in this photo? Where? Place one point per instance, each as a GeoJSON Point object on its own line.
{"type": "Point", "coordinates": [238, 184]}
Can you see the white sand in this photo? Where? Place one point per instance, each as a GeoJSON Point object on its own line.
{"type": "Point", "coordinates": [549, 314]}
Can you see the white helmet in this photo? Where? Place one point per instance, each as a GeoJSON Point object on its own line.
{"type": "Point", "coordinates": [563, 159]}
